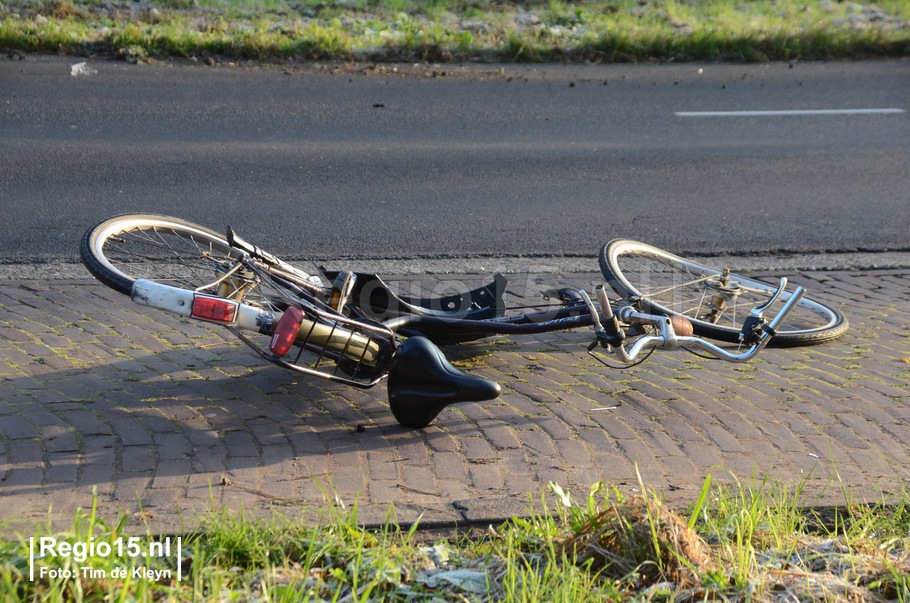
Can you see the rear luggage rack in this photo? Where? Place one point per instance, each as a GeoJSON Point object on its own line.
{"type": "Point", "coordinates": [334, 347]}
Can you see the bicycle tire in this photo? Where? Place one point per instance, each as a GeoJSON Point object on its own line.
{"type": "Point", "coordinates": [664, 283]}
{"type": "Point", "coordinates": [119, 250]}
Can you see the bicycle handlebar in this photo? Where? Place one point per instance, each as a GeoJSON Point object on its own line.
{"type": "Point", "coordinates": [756, 330]}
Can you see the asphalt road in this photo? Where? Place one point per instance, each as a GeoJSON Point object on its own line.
{"type": "Point", "coordinates": [474, 162]}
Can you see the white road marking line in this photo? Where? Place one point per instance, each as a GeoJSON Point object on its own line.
{"type": "Point", "coordinates": [788, 112]}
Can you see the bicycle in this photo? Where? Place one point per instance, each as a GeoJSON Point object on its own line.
{"type": "Point", "coordinates": [352, 328]}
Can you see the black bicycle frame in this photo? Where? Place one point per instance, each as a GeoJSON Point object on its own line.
{"type": "Point", "coordinates": [450, 330]}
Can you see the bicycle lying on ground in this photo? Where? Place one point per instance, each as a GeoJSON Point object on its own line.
{"type": "Point", "coordinates": [354, 329]}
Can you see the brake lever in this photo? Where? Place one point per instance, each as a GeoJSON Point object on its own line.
{"type": "Point", "coordinates": [599, 332]}
{"type": "Point", "coordinates": [759, 310]}
{"type": "Point", "coordinates": [756, 328]}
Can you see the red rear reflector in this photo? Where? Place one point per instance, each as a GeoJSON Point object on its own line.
{"type": "Point", "coordinates": [286, 331]}
{"type": "Point", "coordinates": [214, 308]}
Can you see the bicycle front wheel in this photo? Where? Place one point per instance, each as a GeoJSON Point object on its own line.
{"type": "Point", "coordinates": [716, 301]}
{"type": "Point", "coordinates": [167, 250]}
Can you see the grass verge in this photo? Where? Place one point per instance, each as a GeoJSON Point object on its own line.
{"type": "Point", "coordinates": [747, 542]}
{"type": "Point", "coordinates": [459, 30]}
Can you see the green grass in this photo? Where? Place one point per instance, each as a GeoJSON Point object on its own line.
{"type": "Point", "coordinates": [741, 542]}
{"type": "Point", "coordinates": [460, 30]}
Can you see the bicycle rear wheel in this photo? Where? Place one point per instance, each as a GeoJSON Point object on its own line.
{"type": "Point", "coordinates": [714, 300]}
{"type": "Point", "coordinates": [167, 250]}
{"type": "Point", "coordinates": [174, 252]}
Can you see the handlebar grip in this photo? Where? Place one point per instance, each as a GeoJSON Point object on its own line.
{"type": "Point", "coordinates": [682, 326]}
{"type": "Point", "coordinates": [604, 302]}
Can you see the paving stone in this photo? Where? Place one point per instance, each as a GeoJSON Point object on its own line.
{"type": "Point", "coordinates": [241, 444]}
{"type": "Point", "coordinates": [557, 429]}
{"type": "Point", "coordinates": [138, 459]}
{"type": "Point", "coordinates": [723, 439]}
{"type": "Point", "coordinates": [18, 428]}
{"type": "Point", "coordinates": [485, 478]}
{"type": "Point", "coordinates": [97, 468]}
{"type": "Point", "coordinates": [59, 439]}
{"type": "Point", "coordinates": [703, 455]}
{"type": "Point", "coordinates": [574, 452]}
{"type": "Point", "coordinates": [440, 441]}
{"type": "Point", "coordinates": [781, 435]}
{"type": "Point", "coordinates": [19, 479]}
{"type": "Point", "coordinates": [130, 431]}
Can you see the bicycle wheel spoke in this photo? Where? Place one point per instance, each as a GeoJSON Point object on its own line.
{"type": "Point", "coordinates": [680, 286]}
{"type": "Point", "coordinates": [170, 258]}
{"type": "Point", "coordinates": [163, 255]}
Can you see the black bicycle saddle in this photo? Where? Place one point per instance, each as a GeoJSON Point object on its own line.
{"type": "Point", "coordinates": [422, 383]}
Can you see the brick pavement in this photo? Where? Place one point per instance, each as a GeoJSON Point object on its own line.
{"type": "Point", "coordinates": [170, 417]}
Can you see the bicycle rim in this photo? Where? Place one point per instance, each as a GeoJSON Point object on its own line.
{"type": "Point", "coordinates": [714, 300]}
